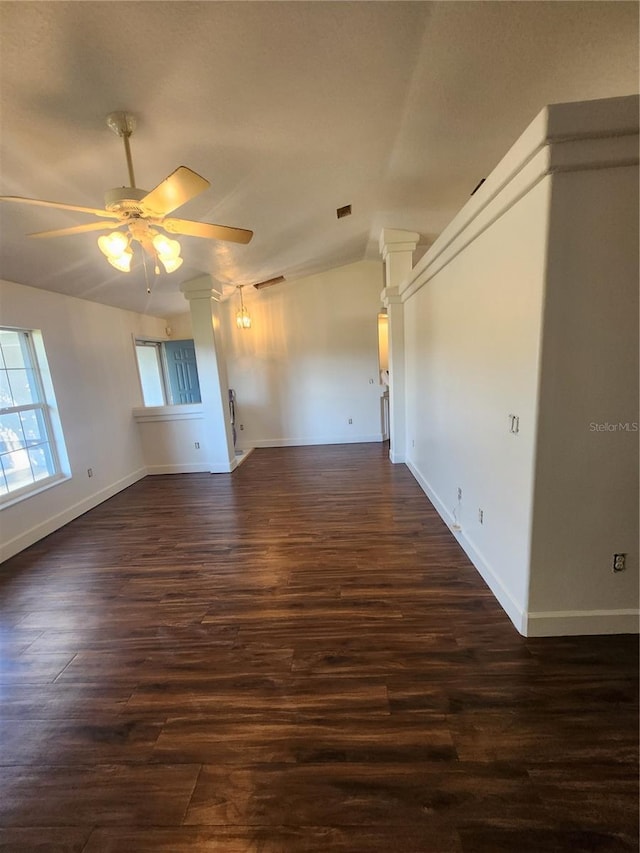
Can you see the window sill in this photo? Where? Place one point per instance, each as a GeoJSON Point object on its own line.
{"type": "Point", "coordinates": [184, 412]}
{"type": "Point", "coordinates": [15, 498]}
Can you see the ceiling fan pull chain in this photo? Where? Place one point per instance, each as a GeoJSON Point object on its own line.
{"type": "Point", "coordinates": [146, 273]}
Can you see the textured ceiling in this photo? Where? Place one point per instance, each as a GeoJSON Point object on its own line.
{"type": "Point", "coordinates": [289, 109]}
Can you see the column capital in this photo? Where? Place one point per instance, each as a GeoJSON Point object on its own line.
{"type": "Point", "coordinates": [391, 296]}
{"type": "Point", "coordinates": [395, 240]}
{"type": "Point", "coordinates": [201, 287]}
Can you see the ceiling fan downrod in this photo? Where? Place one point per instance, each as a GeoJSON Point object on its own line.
{"type": "Point", "coordinates": [123, 124]}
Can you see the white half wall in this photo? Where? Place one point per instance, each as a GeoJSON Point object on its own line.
{"type": "Point", "coordinates": [586, 506]}
{"type": "Point", "coordinates": [472, 337]}
{"type": "Point", "coordinates": [309, 363]}
{"type": "Point", "coordinates": [91, 357]}
{"type": "Point", "coordinates": [174, 439]}
{"type": "Point", "coordinates": [527, 305]}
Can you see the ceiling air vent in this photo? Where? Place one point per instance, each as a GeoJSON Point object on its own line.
{"type": "Point", "coordinates": [269, 282]}
{"type": "Point", "coordinates": [341, 212]}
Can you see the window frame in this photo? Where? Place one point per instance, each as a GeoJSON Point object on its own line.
{"type": "Point", "coordinates": [35, 361]}
{"type": "Point", "coordinates": [163, 369]}
{"type": "Point", "coordinates": [153, 343]}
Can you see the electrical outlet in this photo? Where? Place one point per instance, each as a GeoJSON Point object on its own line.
{"type": "Point", "coordinates": [481, 516]}
{"type": "Point", "coordinates": [89, 472]}
{"type": "Point", "coordinates": [350, 420]}
{"type": "Point", "coordinates": [459, 493]}
{"type": "Point", "coordinates": [619, 562]}
{"type": "Point", "coordinates": [241, 426]}
{"type": "Point", "coordinates": [196, 444]}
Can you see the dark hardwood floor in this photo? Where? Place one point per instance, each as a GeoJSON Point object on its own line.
{"type": "Point", "coordinates": [297, 657]}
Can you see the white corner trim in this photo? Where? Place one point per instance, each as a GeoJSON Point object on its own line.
{"type": "Point", "coordinates": [562, 623]}
{"type": "Point", "coordinates": [54, 522]}
{"type": "Point", "coordinates": [242, 455]}
{"type": "Point", "coordinates": [515, 613]}
{"type": "Point", "coordinates": [223, 467]}
{"type": "Point", "coordinates": [575, 155]}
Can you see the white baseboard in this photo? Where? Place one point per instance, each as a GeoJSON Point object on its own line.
{"type": "Point", "coordinates": [397, 458]}
{"type": "Point", "coordinates": [304, 442]}
{"type": "Point", "coordinates": [563, 623]}
{"type": "Point", "coordinates": [560, 623]}
{"type": "Point", "coordinates": [54, 522]}
{"type": "Point", "coordinates": [242, 455]}
{"type": "Point", "coordinates": [510, 607]}
{"type": "Point", "coordinates": [199, 467]}
{"type": "Point", "coordinates": [190, 468]}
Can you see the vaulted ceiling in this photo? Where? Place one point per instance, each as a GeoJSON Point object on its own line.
{"type": "Point", "coordinates": [290, 109]}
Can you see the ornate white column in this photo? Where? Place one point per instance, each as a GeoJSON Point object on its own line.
{"type": "Point", "coordinates": [204, 299]}
{"type": "Point", "coordinates": [396, 248]}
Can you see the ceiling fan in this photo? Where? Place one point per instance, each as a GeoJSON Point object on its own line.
{"type": "Point", "coordinates": [139, 213]}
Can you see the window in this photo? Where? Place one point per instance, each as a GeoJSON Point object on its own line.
{"type": "Point", "coordinates": [168, 372]}
{"type": "Point", "coordinates": [29, 458]}
{"type": "Point", "coordinates": [149, 357]}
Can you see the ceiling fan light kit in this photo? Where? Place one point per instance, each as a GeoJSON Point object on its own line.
{"type": "Point", "coordinates": [116, 249]}
{"type": "Point", "coordinates": [141, 213]}
{"type": "Point", "coordinates": [121, 123]}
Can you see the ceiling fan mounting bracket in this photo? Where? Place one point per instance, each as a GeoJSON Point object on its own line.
{"type": "Point", "coordinates": [121, 123]}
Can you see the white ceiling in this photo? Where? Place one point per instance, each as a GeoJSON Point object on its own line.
{"type": "Point", "coordinates": [291, 110]}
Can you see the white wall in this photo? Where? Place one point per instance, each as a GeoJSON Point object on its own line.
{"type": "Point", "coordinates": [527, 304]}
{"type": "Point", "coordinates": [91, 357]}
{"type": "Point", "coordinates": [586, 506]}
{"type": "Point", "coordinates": [309, 361]}
{"type": "Point", "coordinates": [180, 325]}
{"type": "Point", "coordinates": [472, 336]}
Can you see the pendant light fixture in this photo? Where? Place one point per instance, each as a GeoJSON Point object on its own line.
{"type": "Point", "coordinates": [243, 319]}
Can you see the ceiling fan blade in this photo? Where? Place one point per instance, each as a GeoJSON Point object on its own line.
{"type": "Point", "coordinates": [207, 230]}
{"type": "Point", "coordinates": [59, 204]}
{"type": "Point", "coordinates": [76, 229]}
{"type": "Point", "coordinates": [179, 188]}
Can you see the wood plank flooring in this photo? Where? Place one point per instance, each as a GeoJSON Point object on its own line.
{"type": "Point", "coordinates": [297, 657]}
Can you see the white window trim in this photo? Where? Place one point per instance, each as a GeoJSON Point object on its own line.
{"type": "Point", "coordinates": [20, 495]}
{"type": "Point", "coordinates": [53, 427]}
{"type": "Point", "coordinates": [153, 341]}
